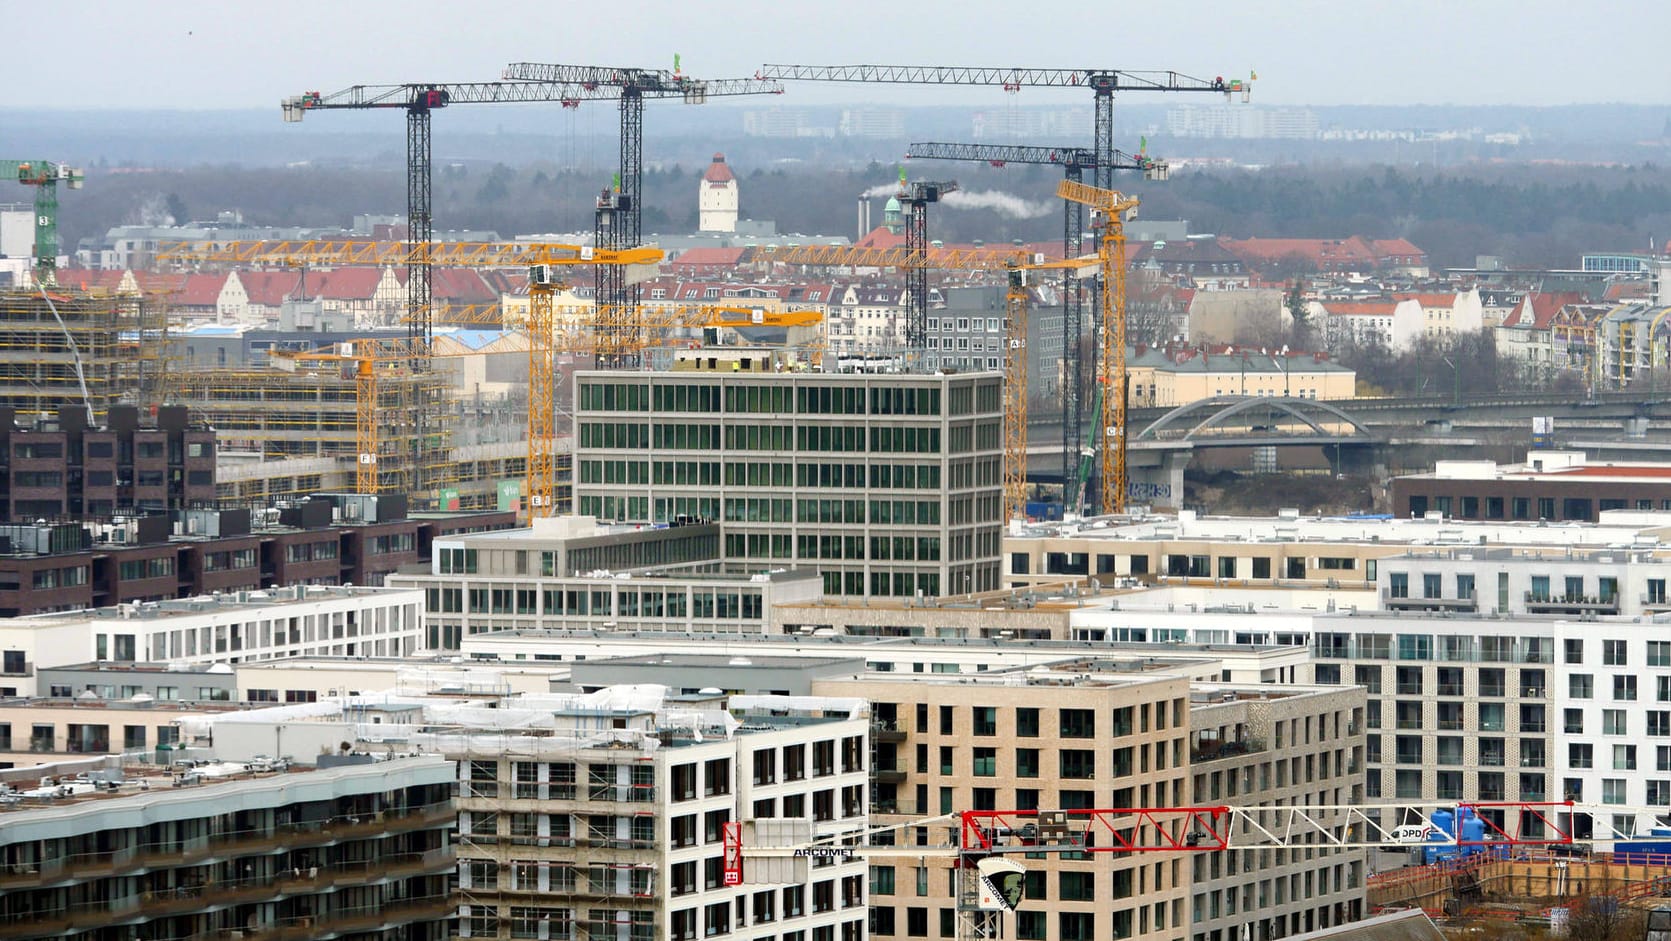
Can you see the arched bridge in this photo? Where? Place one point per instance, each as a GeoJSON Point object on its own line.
{"type": "Point", "coordinates": [1239, 421]}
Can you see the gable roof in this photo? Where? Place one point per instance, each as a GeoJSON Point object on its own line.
{"type": "Point", "coordinates": [200, 290]}
{"type": "Point", "coordinates": [706, 256]}
{"type": "Point", "coordinates": [268, 288]}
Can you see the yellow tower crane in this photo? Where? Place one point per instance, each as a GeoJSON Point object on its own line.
{"type": "Point", "coordinates": [535, 257]}
{"type": "Point", "coordinates": [1111, 366]}
{"type": "Point", "coordinates": [1016, 265]}
{"type": "Point", "coordinates": [569, 330]}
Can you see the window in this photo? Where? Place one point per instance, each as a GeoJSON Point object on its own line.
{"type": "Point", "coordinates": [1077, 763]}
{"type": "Point", "coordinates": [1572, 650]}
{"type": "Point", "coordinates": [1572, 721]}
{"type": "Point", "coordinates": [1581, 686]}
{"type": "Point", "coordinates": [1624, 688]}
{"type": "Point", "coordinates": [986, 762]}
{"type": "Point", "coordinates": [1659, 653]}
{"type": "Point", "coordinates": [1077, 886]}
{"type": "Point", "coordinates": [1624, 757]}
{"type": "Point", "coordinates": [1580, 755]}
{"type": "Point", "coordinates": [985, 720]}
{"type": "Point", "coordinates": [1078, 723]}
{"type": "Point", "coordinates": [1613, 722]}
{"type": "Point", "coordinates": [1027, 722]}
{"type": "Point", "coordinates": [1613, 653]}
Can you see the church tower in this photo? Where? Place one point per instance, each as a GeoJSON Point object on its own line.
{"type": "Point", "coordinates": [717, 200]}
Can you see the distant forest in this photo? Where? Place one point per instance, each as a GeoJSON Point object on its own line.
{"type": "Point", "coordinates": [1529, 215]}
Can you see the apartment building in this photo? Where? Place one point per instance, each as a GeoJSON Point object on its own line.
{"type": "Point", "coordinates": [329, 539]}
{"type": "Point", "coordinates": [570, 573]}
{"type": "Point", "coordinates": [1276, 746]}
{"type": "Point", "coordinates": [1286, 550]}
{"type": "Point", "coordinates": [355, 848]}
{"type": "Point", "coordinates": [888, 485]}
{"type": "Point", "coordinates": [604, 815]}
{"type": "Point", "coordinates": [1101, 733]}
{"type": "Point", "coordinates": [1552, 486]}
{"type": "Point", "coordinates": [1055, 739]}
{"type": "Point", "coordinates": [307, 620]}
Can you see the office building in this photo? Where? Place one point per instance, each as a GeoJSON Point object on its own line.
{"type": "Point", "coordinates": [571, 573]}
{"type": "Point", "coordinates": [885, 484]}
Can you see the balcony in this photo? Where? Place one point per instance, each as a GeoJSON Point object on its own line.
{"type": "Point", "coordinates": [1451, 689]}
{"type": "Point", "coordinates": [887, 732]}
{"type": "Point", "coordinates": [288, 837]}
{"type": "Point", "coordinates": [889, 773]}
{"type": "Point", "coordinates": [1470, 602]}
{"type": "Point", "coordinates": [183, 899]}
{"type": "Point", "coordinates": [1570, 604]}
{"type": "Point", "coordinates": [1212, 749]}
{"type": "Point", "coordinates": [1493, 690]}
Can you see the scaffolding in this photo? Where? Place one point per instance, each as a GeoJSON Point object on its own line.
{"type": "Point", "coordinates": [51, 345]}
{"type": "Point", "coordinates": [313, 413]}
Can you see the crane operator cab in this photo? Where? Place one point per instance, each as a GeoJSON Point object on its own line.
{"type": "Point", "coordinates": [1001, 884]}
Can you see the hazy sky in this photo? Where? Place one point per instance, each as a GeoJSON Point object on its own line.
{"type": "Point", "coordinates": [201, 54]}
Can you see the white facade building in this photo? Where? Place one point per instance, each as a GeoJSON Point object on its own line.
{"type": "Point", "coordinates": [307, 620]}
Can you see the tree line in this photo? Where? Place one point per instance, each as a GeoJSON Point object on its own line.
{"type": "Point", "coordinates": [1530, 216]}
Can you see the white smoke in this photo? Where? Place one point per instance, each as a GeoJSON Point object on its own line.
{"type": "Point", "coordinates": [886, 189]}
{"type": "Point", "coordinates": [151, 210]}
{"type": "Point", "coordinates": [1012, 207]}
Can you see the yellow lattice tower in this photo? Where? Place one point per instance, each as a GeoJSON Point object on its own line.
{"type": "Point", "coordinates": [1111, 369]}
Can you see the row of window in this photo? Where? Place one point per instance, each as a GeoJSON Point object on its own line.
{"type": "Point", "coordinates": [755, 398]}
{"type": "Point", "coordinates": [700, 603]}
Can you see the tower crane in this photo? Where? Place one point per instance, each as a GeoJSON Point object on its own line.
{"type": "Point", "coordinates": [1073, 161]}
{"type": "Point", "coordinates": [419, 100]}
{"type": "Point", "coordinates": [44, 176]}
{"type": "Point", "coordinates": [916, 197]}
{"type": "Point", "coordinates": [984, 843]}
{"type": "Point", "coordinates": [372, 360]}
{"type": "Point", "coordinates": [621, 209]}
{"type": "Point", "coordinates": [534, 256]}
{"type": "Point", "coordinates": [1103, 83]}
{"type": "Point", "coordinates": [1016, 266]}
{"type": "Point", "coordinates": [1111, 335]}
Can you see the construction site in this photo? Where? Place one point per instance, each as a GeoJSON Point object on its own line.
{"type": "Point", "coordinates": [1528, 891]}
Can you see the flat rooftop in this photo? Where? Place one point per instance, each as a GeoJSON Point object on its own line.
{"type": "Point", "coordinates": [223, 601]}
{"type": "Point", "coordinates": [1188, 527]}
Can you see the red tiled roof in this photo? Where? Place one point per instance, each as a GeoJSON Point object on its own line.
{"type": "Point", "coordinates": [1386, 247]}
{"type": "Point", "coordinates": [718, 172]}
{"type": "Point", "coordinates": [85, 279]}
{"type": "Point", "coordinates": [880, 237]}
{"type": "Point", "coordinates": [1429, 299]}
{"type": "Point", "coordinates": [200, 290]}
{"type": "Point", "coordinates": [1546, 306]}
{"type": "Point", "coordinates": [345, 284]}
{"type": "Point", "coordinates": [268, 288]}
{"type": "Point", "coordinates": [461, 285]}
{"type": "Point", "coordinates": [708, 257]}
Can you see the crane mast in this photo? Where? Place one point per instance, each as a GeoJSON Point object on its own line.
{"type": "Point", "coordinates": [1103, 84]}
{"type": "Point", "coordinates": [620, 210]}
{"type": "Point", "coordinates": [1073, 161]}
{"type": "Point", "coordinates": [420, 100]}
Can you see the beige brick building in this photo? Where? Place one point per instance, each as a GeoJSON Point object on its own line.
{"type": "Point", "coordinates": [1021, 741]}
{"type": "Point", "coordinates": [1102, 734]}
